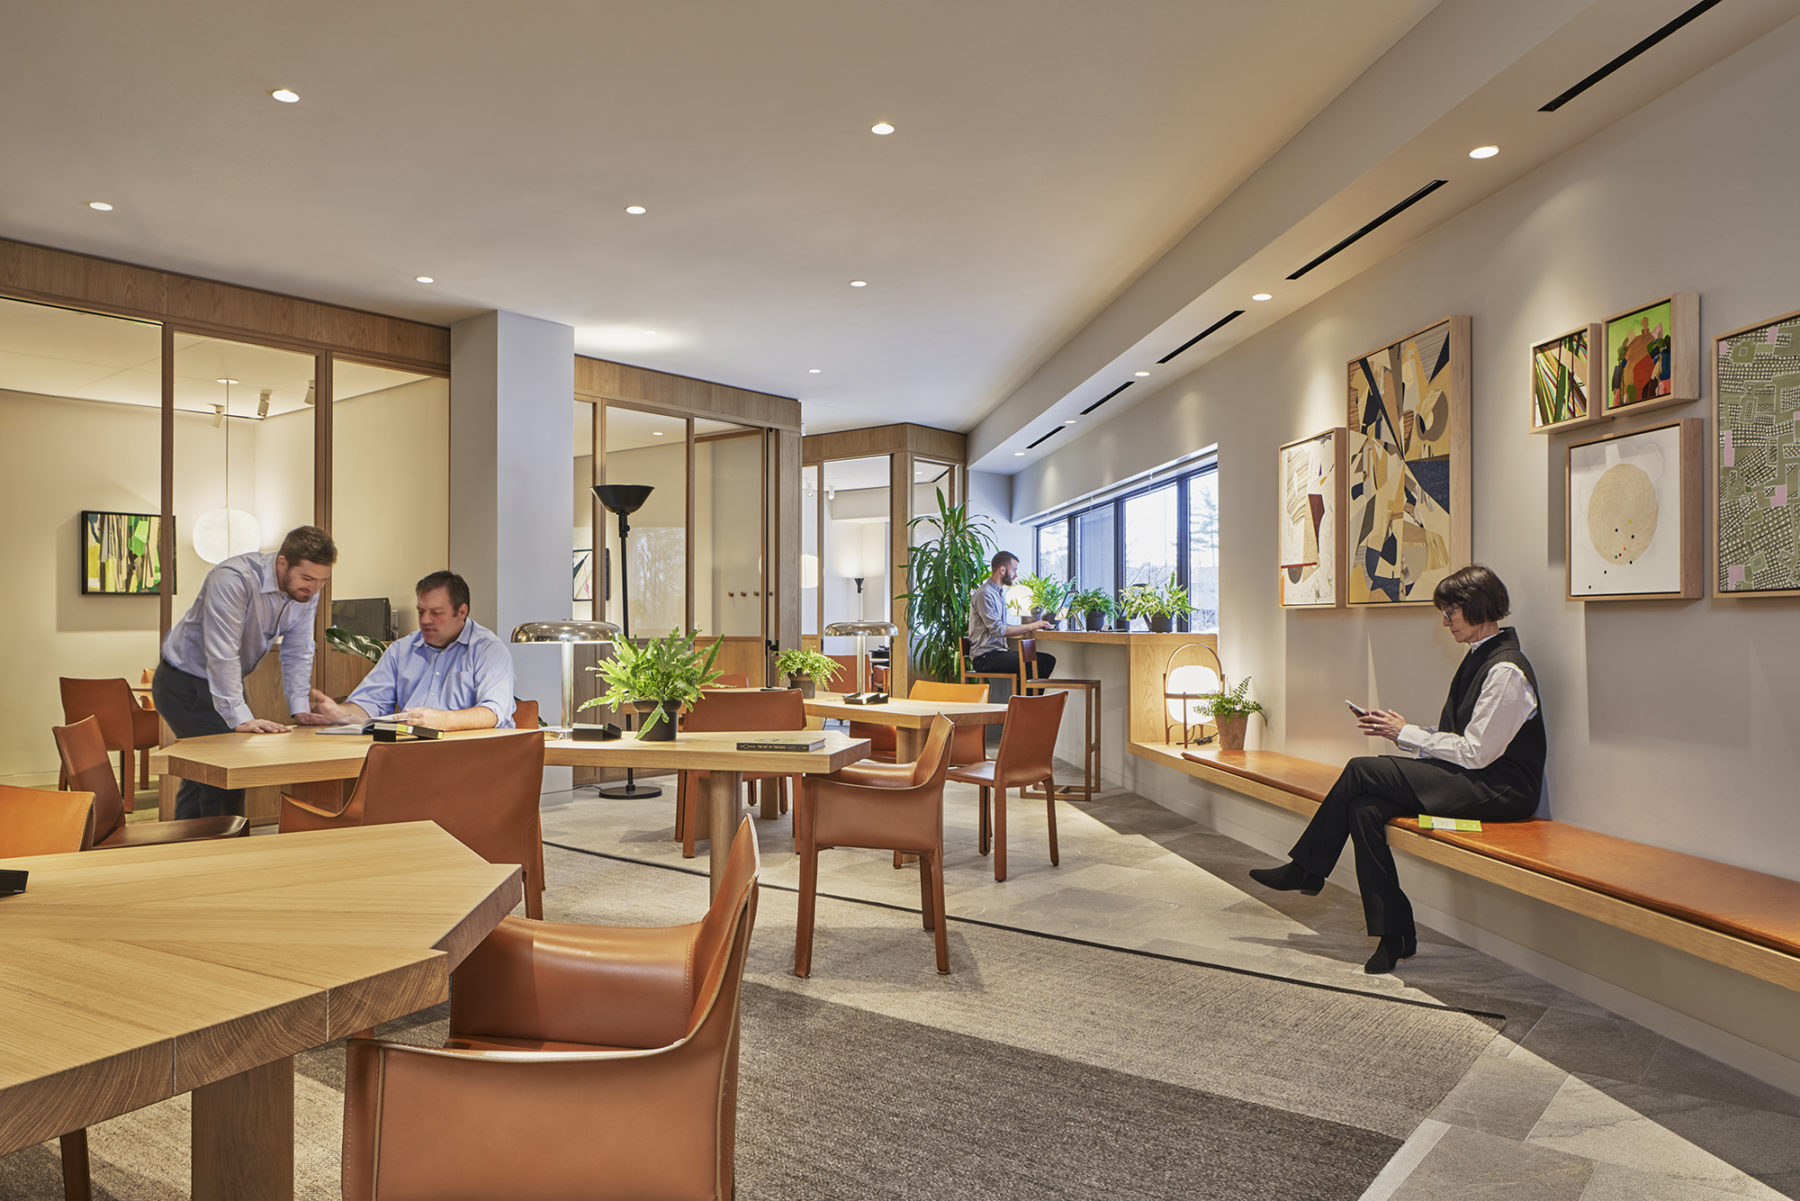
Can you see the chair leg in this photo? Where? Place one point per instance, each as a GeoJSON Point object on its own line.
{"type": "Point", "coordinates": [1050, 810]}
{"type": "Point", "coordinates": [75, 1165]}
{"type": "Point", "coordinates": [809, 888]}
{"type": "Point", "coordinates": [982, 806]}
{"type": "Point", "coordinates": [689, 818]}
{"type": "Point", "coordinates": [128, 779]}
{"type": "Point", "coordinates": [680, 804]}
{"type": "Point", "coordinates": [925, 910]}
{"type": "Point", "coordinates": [999, 833]}
{"type": "Point", "coordinates": [937, 908]}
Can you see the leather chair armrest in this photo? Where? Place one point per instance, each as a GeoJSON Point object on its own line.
{"type": "Point", "coordinates": [421, 1122]}
{"type": "Point", "coordinates": [616, 986]}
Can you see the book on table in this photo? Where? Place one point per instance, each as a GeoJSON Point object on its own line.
{"type": "Point", "coordinates": [781, 742]}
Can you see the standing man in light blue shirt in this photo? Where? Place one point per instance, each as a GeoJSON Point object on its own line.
{"type": "Point", "coordinates": [451, 675]}
{"type": "Point", "coordinates": [245, 604]}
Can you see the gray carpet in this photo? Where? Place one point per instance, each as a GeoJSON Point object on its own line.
{"type": "Point", "coordinates": [1038, 1068]}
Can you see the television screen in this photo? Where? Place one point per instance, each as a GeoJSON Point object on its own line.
{"type": "Point", "coordinates": [121, 553]}
{"type": "Point", "coordinates": [370, 616]}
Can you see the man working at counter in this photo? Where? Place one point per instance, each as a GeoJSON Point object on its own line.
{"type": "Point", "coordinates": [988, 631]}
{"type": "Point", "coordinates": [451, 675]}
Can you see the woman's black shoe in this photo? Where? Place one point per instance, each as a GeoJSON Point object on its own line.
{"type": "Point", "coordinates": [1391, 952]}
{"type": "Point", "coordinates": [1289, 877]}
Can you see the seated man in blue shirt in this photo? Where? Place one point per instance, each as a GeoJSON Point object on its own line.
{"type": "Point", "coordinates": [451, 675]}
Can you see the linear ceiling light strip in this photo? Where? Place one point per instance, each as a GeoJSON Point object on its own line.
{"type": "Point", "coordinates": [1057, 430]}
{"type": "Point", "coordinates": [1107, 397]}
{"type": "Point", "coordinates": [1615, 64]}
{"type": "Point", "coordinates": [1214, 328]}
{"type": "Point", "coordinates": [1372, 226]}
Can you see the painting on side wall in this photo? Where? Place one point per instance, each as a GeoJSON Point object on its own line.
{"type": "Point", "coordinates": [1407, 477]}
{"type": "Point", "coordinates": [1652, 354]}
{"type": "Point", "coordinates": [1756, 506]}
{"type": "Point", "coordinates": [121, 553]}
{"type": "Point", "coordinates": [1311, 522]}
{"type": "Point", "coordinates": [584, 575]}
{"type": "Point", "coordinates": [1634, 514]}
{"type": "Point", "coordinates": [1566, 380]}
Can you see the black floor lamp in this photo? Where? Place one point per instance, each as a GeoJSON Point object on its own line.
{"type": "Point", "coordinates": [626, 499]}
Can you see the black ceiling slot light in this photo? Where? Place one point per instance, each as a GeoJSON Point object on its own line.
{"type": "Point", "coordinates": [1214, 328]}
{"type": "Point", "coordinates": [1045, 438]}
{"type": "Point", "coordinates": [1104, 399]}
{"type": "Point", "coordinates": [1374, 225]}
{"type": "Point", "coordinates": [1666, 31]}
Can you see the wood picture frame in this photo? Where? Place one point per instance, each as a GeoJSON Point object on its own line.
{"type": "Point", "coordinates": [1309, 474]}
{"type": "Point", "coordinates": [1408, 498]}
{"type": "Point", "coordinates": [1653, 348]}
{"type": "Point", "coordinates": [1620, 542]}
{"type": "Point", "coordinates": [1756, 405]}
{"type": "Point", "coordinates": [1567, 378]}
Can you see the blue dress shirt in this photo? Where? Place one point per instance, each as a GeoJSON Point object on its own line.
{"type": "Point", "coordinates": [476, 669]}
{"type": "Point", "coordinates": [231, 625]}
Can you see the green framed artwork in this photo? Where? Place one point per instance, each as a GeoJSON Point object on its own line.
{"type": "Point", "coordinates": [1566, 380]}
{"type": "Point", "coordinates": [121, 553]}
{"type": "Point", "coordinates": [1756, 448]}
{"type": "Point", "coordinates": [1652, 354]}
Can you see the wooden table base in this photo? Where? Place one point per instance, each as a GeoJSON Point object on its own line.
{"type": "Point", "coordinates": [243, 1140]}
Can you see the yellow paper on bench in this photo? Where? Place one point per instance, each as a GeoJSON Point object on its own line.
{"type": "Point", "coordinates": [1428, 822]}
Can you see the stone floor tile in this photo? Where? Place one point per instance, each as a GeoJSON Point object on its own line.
{"type": "Point", "coordinates": [1502, 1097]}
{"type": "Point", "coordinates": [1467, 1165]}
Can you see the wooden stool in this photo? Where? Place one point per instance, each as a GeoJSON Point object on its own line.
{"type": "Point", "coordinates": [1030, 681]}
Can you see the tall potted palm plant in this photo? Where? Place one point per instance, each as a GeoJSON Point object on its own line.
{"type": "Point", "coordinates": [944, 572]}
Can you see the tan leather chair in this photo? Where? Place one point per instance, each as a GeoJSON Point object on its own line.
{"type": "Point", "coordinates": [967, 745]}
{"type": "Point", "coordinates": [125, 726]}
{"type": "Point", "coordinates": [36, 821]}
{"type": "Point", "coordinates": [1027, 744]}
{"type": "Point", "coordinates": [482, 791]}
{"type": "Point", "coordinates": [907, 817]}
{"type": "Point", "coordinates": [783, 710]}
{"type": "Point", "coordinates": [583, 1061]}
{"type": "Point", "coordinates": [85, 766]}
{"type": "Point", "coordinates": [1031, 681]}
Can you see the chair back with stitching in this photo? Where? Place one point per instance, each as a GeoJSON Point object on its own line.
{"type": "Point", "coordinates": [725, 930]}
{"type": "Point", "coordinates": [1028, 739]}
{"type": "Point", "coordinates": [37, 821]}
{"type": "Point", "coordinates": [784, 710]}
{"type": "Point", "coordinates": [85, 766]}
{"type": "Point", "coordinates": [108, 701]}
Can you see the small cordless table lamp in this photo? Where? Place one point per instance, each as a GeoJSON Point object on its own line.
{"type": "Point", "coordinates": [860, 630]}
{"type": "Point", "coordinates": [568, 633]}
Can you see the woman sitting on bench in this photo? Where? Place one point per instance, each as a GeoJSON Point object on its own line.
{"type": "Point", "coordinates": [1484, 760]}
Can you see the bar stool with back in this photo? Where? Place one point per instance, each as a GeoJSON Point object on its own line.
{"type": "Point", "coordinates": [1030, 681]}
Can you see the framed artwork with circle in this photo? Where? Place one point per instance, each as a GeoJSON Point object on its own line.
{"type": "Point", "coordinates": [1634, 514]}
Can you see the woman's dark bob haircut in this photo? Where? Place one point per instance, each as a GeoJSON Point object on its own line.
{"type": "Point", "coordinates": [1475, 590]}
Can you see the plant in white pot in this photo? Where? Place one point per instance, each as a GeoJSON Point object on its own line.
{"type": "Point", "coordinates": [806, 669]}
{"type": "Point", "coordinates": [1230, 709]}
{"type": "Point", "coordinates": [657, 679]}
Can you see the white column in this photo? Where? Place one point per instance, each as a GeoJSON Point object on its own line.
{"type": "Point", "coordinates": [512, 382]}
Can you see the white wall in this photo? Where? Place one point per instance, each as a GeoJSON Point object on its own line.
{"type": "Point", "coordinates": [992, 496]}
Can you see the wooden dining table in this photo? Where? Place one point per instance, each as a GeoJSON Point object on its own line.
{"type": "Point", "coordinates": [303, 756]}
{"type": "Point", "coordinates": [133, 975]}
{"type": "Point", "coordinates": [909, 718]}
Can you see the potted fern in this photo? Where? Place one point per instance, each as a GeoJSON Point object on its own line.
{"type": "Point", "coordinates": [1137, 601]}
{"type": "Point", "coordinates": [1047, 597]}
{"type": "Point", "coordinates": [657, 679]}
{"type": "Point", "coordinates": [806, 669]}
{"type": "Point", "coordinates": [1171, 602]}
{"type": "Point", "coordinates": [1095, 605]}
{"type": "Point", "coordinates": [1230, 709]}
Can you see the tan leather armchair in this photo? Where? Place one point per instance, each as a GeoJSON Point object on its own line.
{"type": "Point", "coordinates": [84, 765]}
{"type": "Point", "coordinates": [905, 814]}
{"type": "Point", "coordinates": [482, 791]}
{"type": "Point", "coordinates": [583, 1061]}
{"type": "Point", "coordinates": [1025, 759]}
{"type": "Point", "coordinates": [125, 726]}
{"type": "Point", "coordinates": [967, 745]}
{"type": "Point", "coordinates": [726, 710]}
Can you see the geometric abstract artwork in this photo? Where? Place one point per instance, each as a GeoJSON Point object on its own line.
{"type": "Point", "coordinates": [1756, 504]}
{"type": "Point", "coordinates": [584, 575]}
{"type": "Point", "coordinates": [1407, 471]}
{"type": "Point", "coordinates": [121, 553]}
{"type": "Point", "coordinates": [1311, 521]}
{"type": "Point", "coordinates": [1634, 514]}
{"type": "Point", "coordinates": [1652, 354]}
{"type": "Point", "coordinates": [1565, 380]}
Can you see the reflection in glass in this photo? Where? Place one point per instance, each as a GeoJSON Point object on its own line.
{"type": "Point", "coordinates": [650, 449]}
{"type": "Point", "coordinates": [1203, 551]}
{"type": "Point", "coordinates": [1053, 550]}
{"type": "Point", "coordinates": [728, 529]}
{"type": "Point", "coordinates": [1094, 562]}
{"type": "Point", "coordinates": [1150, 537]}
{"type": "Point", "coordinates": [853, 563]}
{"type": "Point", "coordinates": [809, 550]}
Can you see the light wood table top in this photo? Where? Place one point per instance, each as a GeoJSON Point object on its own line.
{"type": "Point", "coordinates": [907, 714]}
{"type": "Point", "coordinates": [301, 756]}
{"type": "Point", "coordinates": [711, 752]}
{"type": "Point", "coordinates": [137, 974]}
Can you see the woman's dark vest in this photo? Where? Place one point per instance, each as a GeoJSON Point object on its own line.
{"type": "Point", "coordinates": [1518, 774]}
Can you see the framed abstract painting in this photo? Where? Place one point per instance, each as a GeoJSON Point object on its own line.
{"type": "Point", "coordinates": [1566, 380]}
{"type": "Point", "coordinates": [1407, 469]}
{"type": "Point", "coordinates": [1633, 513]}
{"type": "Point", "coordinates": [1310, 546]}
{"type": "Point", "coordinates": [121, 553]}
{"type": "Point", "coordinates": [1756, 468]}
{"type": "Point", "coordinates": [1653, 354]}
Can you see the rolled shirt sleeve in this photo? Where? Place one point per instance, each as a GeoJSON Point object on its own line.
{"type": "Point", "coordinates": [379, 692]}
{"type": "Point", "coordinates": [492, 667]}
{"type": "Point", "coordinates": [1505, 704]}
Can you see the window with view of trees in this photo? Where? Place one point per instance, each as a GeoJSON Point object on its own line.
{"type": "Point", "coordinates": [1053, 550]}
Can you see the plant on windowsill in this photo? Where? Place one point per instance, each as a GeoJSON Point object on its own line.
{"type": "Point", "coordinates": [806, 669]}
{"type": "Point", "coordinates": [1230, 709]}
{"type": "Point", "coordinates": [943, 572]}
{"type": "Point", "coordinates": [658, 679]}
{"type": "Point", "coordinates": [1047, 597]}
{"type": "Point", "coordinates": [1094, 605]}
{"type": "Point", "coordinates": [1137, 601]}
{"type": "Point", "coordinates": [1171, 603]}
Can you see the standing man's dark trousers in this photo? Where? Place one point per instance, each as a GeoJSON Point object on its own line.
{"type": "Point", "coordinates": [1371, 790]}
{"type": "Point", "coordinates": [1008, 661]}
{"type": "Point", "coordinates": [185, 702]}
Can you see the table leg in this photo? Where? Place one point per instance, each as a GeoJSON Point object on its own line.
{"type": "Point", "coordinates": [243, 1139]}
{"type": "Point", "coordinates": [721, 796]}
{"type": "Point", "coordinates": [768, 792]}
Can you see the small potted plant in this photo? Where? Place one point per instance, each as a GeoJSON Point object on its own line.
{"type": "Point", "coordinates": [1048, 596]}
{"type": "Point", "coordinates": [806, 669]}
{"type": "Point", "coordinates": [1137, 601]}
{"type": "Point", "coordinates": [657, 679]}
{"type": "Point", "coordinates": [1171, 602]}
{"type": "Point", "coordinates": [1095, 604]}
{"type": "Point", "coordinates": [1230, 709]}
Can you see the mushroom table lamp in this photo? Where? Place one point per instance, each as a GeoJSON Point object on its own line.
{"type": "Point", "coordinates": [568, 633]}
{"type": "Point", "coordinates": [860, 630]}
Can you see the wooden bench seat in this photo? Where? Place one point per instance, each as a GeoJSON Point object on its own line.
{"type": "Point", "coordinates": [1614, 880]}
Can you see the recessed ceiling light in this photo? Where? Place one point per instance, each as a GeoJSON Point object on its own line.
{"type": "Point", "coordinates": [222, 380]}
{"type": "Point", "coordinates": [1070, 421]}
{"type": "Point", "coordinates": [100, 206]}
{"type": "Point", "coordinates": [424, 279]}
{"type": "Point", "coordinates": [882, 128]}
{"type": "Point", "coordinates": [649, 333]}
{"type": "Point", "coordinates": [656, 433]}
{"type": "Point", "coordinates": [636, 210]}
{"type": "Point", "coordinates": [813, 370]}
{"type": "Point", "coordinates": [1484, 152]}
{"type": "Point", "coordinates": [1141, 374]}
{"type": "Point", "coordinates": [859, 283]}
{"type": "Point", "coordinates": [286, 96]}
{"type": "Point", "coordinates": [1262, 296]}
{"type": "Point", "coordinates": [1017, 454]}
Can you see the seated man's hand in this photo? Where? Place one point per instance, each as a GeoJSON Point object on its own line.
{"type": "Point", "coordinates": [327, 712]}
{"type": "Point", "coordinates": [1381, 723]}
{"type": "Point", "coordinates": [437, 719]}
{"type": "Point", "coordinates": [257, 725]}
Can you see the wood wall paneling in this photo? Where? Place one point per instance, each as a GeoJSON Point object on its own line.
{"type": "Point", "coordinates": [681, 396]}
